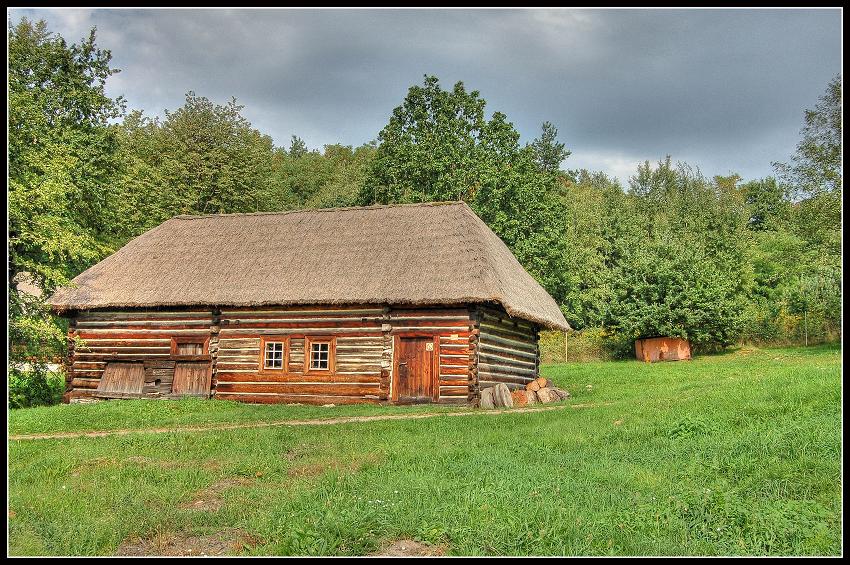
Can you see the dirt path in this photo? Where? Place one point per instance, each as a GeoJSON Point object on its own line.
{"type": "Point", "coordinates": [315, 422]}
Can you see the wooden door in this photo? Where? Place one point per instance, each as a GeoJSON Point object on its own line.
{"type": "Point", "coordinates": [414, 370]}
{"type": "Point", "coordinates": [121, 380]}
{"type": "Point", "coordinates": [191, 378]}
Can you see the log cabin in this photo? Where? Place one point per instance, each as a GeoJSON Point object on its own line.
{"type": "Point", "coordinates": [384, 304]}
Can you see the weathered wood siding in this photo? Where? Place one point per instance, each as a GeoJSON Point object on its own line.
{"type": "Point", "coordinates": [474, 348]}
{"type": "Point", "coordinates": [507, 350]}
{"type": "Point", "coordinates": [129, 336]}
{"type": "Point", "coordinates": [355, 376]}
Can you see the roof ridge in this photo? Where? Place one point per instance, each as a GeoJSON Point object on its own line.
{"type": "Point", "coordinates": [311, 210]}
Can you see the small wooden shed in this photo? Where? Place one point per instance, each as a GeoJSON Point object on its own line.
{"type": "Point", "coordinates": [653, 349]}
{"type": "Point", "coordinates": [404, 303]}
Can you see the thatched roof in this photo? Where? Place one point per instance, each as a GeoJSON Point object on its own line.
{"type": "Point", "coordinates": [414, 254]}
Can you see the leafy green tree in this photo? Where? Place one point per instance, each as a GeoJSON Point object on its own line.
{"type": "Point", "coordinates": [332, 178]}
{"type": "Point", "coordinates": [549, 153]}
{"type": "Point", "coordinates": [816, 165]}
{"type": "Point", "coordinates": [297, 147]}
{"type": "Point", "coordinates": [438, 145]}
{"type": "Point", "coordinates": [768, 202]}
{"type": "Point", "coordinates": [814, 174]}
{"type": "Point", "coordinates": [202, 158]}
{"type": "Point", "coordinates": [676, 264]}
{"type": "Point", "coordinates": [62, 163]}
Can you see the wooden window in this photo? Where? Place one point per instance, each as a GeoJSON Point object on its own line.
{"type": "Point", "coordinates": [182, 346]}
{"type": "Point", "coordinates": [273, 353]}
{"type": "Point", "coordinates": [121, 380]}
{"type": "Point", "coordinates": [320, 354]}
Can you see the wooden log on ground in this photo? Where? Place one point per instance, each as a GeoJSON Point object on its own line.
{"type": "Point", "coordinates": [547, 395]}
{"type": "Point", "coordinates": [531, 397]}
{"type": "Point", "coordinates": [487, 398]}
{"type": "Point", "coordinates": [533, 386]}
{"type": "Point", "coordinates": [502, 396]}
{"type": "Point", "coordinates": [563, 394]}
{"type": "Point", "coordinates": [543, 382]}
{"type": "Point", "coordinates": [520, 397]}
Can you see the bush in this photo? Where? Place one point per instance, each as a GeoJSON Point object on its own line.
{"type": "Point", "coordinates": [35, 386]}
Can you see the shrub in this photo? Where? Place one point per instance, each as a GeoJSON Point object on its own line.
{"type": "Point", "coordinates": [35, 386]}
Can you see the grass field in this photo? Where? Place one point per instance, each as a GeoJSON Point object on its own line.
{"type": "Point", "coordinates": [729, 454]}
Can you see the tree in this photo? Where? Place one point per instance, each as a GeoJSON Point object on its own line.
{"type": "Point", "coordinates": [62, 163]}
{"type": "Point", "coordinates": [332, 178]}
{"type": "Point", "coordinates": [676, 260]}
{"type": "Point", "coordinates": [815, 167]}
{"type": "Point", "coordinates": [297, 147]}
{"type": "Point", "coordinates": [768, 202]}
{"type": "Point", "coordinates": [438, 145]}
{"type": "Point", "coordinates": [548, 152]}
{"type": "Point", "coordinates": [203, 158]}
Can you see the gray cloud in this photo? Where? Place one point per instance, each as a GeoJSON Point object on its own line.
{"type": "Point", "coordinates": [722, 89]}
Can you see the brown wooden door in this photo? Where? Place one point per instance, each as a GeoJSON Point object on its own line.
{"type": "Point", "coordinates": [414, 370]}
{"type": "Point", "coordinates": [192, 378]}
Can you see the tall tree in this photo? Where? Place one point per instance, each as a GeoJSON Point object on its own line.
{"type": "Point", "coordinates": [203, 158]}
{"type": "Point", "coordinates": [815, 167]}
{"type": "Point", "coordinates": [677, 269]}
{"type": "Point", "coordinates": [62, 164]}
{"type": "Point", "coordinates": [549, 153]}
{"type": "Point", "coordinates": [438, 145]}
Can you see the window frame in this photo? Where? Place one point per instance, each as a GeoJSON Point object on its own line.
{"type": "Point", "coordinates": [308, 353]}
{"type": "Point", "coordinates": [285, 354]}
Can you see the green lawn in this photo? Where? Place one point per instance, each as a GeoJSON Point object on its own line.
{"type": "Point", "coordinates": [728, 454]}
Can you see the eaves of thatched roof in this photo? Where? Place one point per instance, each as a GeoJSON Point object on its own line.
{"type": "Point", "coordinates": [413, 254]}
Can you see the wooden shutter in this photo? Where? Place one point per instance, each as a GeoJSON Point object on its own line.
{"type": "Point", "coordinates": [190, 349]}
{"type": "Point", "coordinates": [191, 379]}
{"type": "Point", "coordinates": [121, 380]}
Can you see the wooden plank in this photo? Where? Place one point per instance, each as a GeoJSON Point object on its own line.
{"type": "Point", "coordinates": [497, 350]}
{"type": "Point", "coordinates": [503, 369]}
{"type": "Point", "coordinates": [495, 359]}
{"type": "Point", "coordinates": [296, 311]}
{"type": "Point", "coordinates": [124, 379]}
{"type": "Point", "coordinates": [270, 398]}
{"type": "Point", "coordinates": [229, 333]}
{"type": "Point", "coordinates": [335, 389]}
{"type": "Point", "coordinates": [229, 376]}
{"type": "Point", "coordinates": [192, 378]}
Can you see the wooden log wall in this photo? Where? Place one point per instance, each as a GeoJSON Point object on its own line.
{"type": "Point", "coordinates": [132, 336]}
{"type": "Point", "coordinates": [475, 347]}
{"type": "Point", "coordinates": [507, 350]}
{"type": "Point", "coordinates": [355, 376]}
{"type": "Point", "coordinates": [452, 328]}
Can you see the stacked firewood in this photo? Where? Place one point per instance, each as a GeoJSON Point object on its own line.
{"type": "Point", "coordinates": [538, 391]}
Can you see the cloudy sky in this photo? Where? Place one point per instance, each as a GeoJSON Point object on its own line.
{"type": "Point", "coordinates": [721, 89]}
